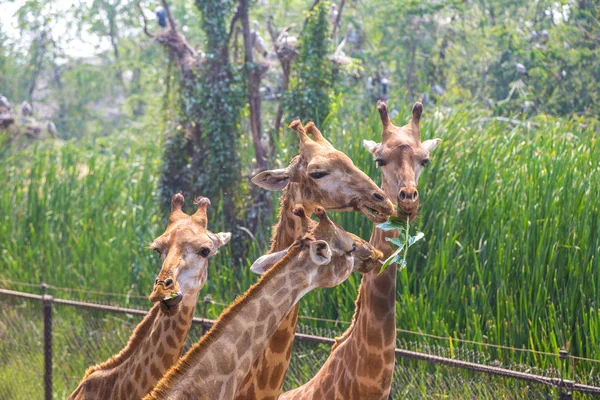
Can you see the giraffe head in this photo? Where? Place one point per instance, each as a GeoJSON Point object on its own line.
{"type": "Point", "coordinates": [184, 248]}
{"type": "Point", "coordinates": [321, 175]}
{"type": "Point", "coordinates": [402, 156]}
{"type": "Point", "coordinates": [333, 252]}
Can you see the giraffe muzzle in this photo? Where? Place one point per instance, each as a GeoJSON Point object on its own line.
{"type": "Point", "coordinates": [166, 293]}
{"type": "Point", "coordinates": [172, 300]}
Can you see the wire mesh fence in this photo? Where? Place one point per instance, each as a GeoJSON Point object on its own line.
{"type": "Point", "coordinates": [84, 334]}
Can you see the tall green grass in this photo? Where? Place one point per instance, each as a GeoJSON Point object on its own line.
{"type": "Point", "coordinates": [510, 216]}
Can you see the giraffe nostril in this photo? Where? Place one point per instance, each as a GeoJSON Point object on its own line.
{"type": "Point", "coordinates": [168, 282]}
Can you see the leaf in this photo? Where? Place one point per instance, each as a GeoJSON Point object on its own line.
{"type": "Point", "coordinates": [413, 239]}
{"type": "Point", "coordinates": [395, 257]}
{"type": "Point", "coordinates": [388, 226]}
{"type": "Point", "coordinates": [397, 241]}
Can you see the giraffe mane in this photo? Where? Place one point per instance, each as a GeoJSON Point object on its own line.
{"type": "Point", "coordinates": [275, 229]}
{"type": "Point", "coordinates": [188, 361]}
{"type": "Point", "coordinates": [140, 333]}
{"type": "Point", "coordinates": [282, 209]}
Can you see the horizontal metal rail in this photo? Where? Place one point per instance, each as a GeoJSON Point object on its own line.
{"type": "Point", "coordinates": [400, 353]}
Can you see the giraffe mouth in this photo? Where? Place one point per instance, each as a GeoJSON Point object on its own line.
{"type": "Point", "coordinates": [373, 214]}
{"type": "Point", "coordinates": [170, 303]}
{"type": "Point", "coordinates": [409, 215]}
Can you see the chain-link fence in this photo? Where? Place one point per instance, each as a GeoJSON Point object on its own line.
{"type": "Point", "coordinates": [47, 343]}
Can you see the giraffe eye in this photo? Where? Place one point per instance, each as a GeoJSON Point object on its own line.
{"type": "Point", "coordinates": [353, 249]}
{"type": "Point", "coordinates": [318, 175]}
{"type": "Point", "coordinates": [204, 252]}
{"type": "Point", "coordinates": [380, 162]}
{"type": "Point", "coordinates": [425, 162]}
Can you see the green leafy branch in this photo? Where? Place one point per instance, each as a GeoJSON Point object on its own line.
{"type": "Point", "coordinates": [402, 242]}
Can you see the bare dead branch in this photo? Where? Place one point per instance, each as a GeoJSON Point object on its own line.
{"type": "Point", "coordinates": [338, 17]}
{"type": "Point", "coordinates": [236, 16]}
{"type": "Point", "coordinates": [271, 29]}
{"type": "Point", "coordinates": [139, 6]}
{"type": "Point", "coordinates": [169, 16]}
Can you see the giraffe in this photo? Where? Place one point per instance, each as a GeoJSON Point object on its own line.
{"type": "Point", "coordinates": [361, 363]}
{"type": "Point", "coordinates": [323, 257]}
{"type": "Point", "coordinates": [319, 175]}
{"type": "Point", "coordinates": [157, 342]}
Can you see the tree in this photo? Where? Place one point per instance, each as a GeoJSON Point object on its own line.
{"type": "Point", "coordinates": [310, 91]}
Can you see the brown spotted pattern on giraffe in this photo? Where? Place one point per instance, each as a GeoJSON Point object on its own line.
{"type": "Point", "coordinates": [263, 310]}
{"type": "Point", "coordinates": [180, 333]}
{"type": "Point", "coordinates": [258, 330]}
{"type": "Point", "coordinates": [154, 371]}
{"type": "Point", "coordinates": [226, 360]}
{"type": "Point", "coordinates": [278, 344]}
{"type": "Point", "coordinates": [243, 342]}
{"type": "Point", "coordinates": [168, 359]}
{"type": "Point", "coordinates": [160, 350]}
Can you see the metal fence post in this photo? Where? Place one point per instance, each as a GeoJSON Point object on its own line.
{"type": "Point", "coordinates": [563, 392]}
{"type": "Point", "coordinates": [47, 301]}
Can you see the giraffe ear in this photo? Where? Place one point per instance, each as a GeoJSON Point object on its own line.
{"type": "Point", "coordinates": [275, 179]}
{"type": "Point", "coordinates": [264, 263]}
{"type": "Point", "coordinates": [320, 252]}
{"type": "Point", "coordinates": [370, 145]}
{"type": "Point", "coordinates": [431, 144]}
{"type": "Point", "coordinates": [223, 238]}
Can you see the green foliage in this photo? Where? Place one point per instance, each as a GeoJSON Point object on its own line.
{"type": "Point", "coordinates": [310, 87]}
{"type": "Point", "coordinates": [470, 49]}
{"type": "Point", "coordinates": [177, 171]}
{"type": "Point", "coordinates": [220, 96]}
{"type": "Point", "coordinates": [402, 242]}
{"type": "Point", "coordinates": [210, 102]}
{"type": "Point", "coordinates": [511, 228]}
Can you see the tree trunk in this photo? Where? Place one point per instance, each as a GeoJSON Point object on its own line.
{"type": "Point", "coordinates": [261, 199]}
{"type": "Point", "coordinates": [39, 50]}
{"type": "Point", "coordinates": [253, 76]}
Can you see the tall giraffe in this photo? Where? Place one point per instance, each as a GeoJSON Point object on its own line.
{"type": "Point", "coordinates": [319, 175]}
{"type": "Point", "coordinates": [323, 257]}
{"type": "Point", "coordinates": [157, 342]}
{"type": "Point", "coordinates": [361, 363]}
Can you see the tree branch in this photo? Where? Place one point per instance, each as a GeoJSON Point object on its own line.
{"type": "Point", "coordinates": [236, 16]}
{"type": "Point", "coordinates": [271, 30]}
{"type": "Point", "coordinates": [145, 20]}
{"type": "Point", "coordinates": [338, 17]}
{"type": "Point", "coordinates": [169, 16]}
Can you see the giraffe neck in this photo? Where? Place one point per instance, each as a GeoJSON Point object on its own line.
{"type": "Point", "coordinates": [154, 347]}
{"type": "Point", "coordinates": [214, 367]}
{"type": "Point", "coordinates": [361, 363]}
{"type": "Point", "coordinates": [266, 376]}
